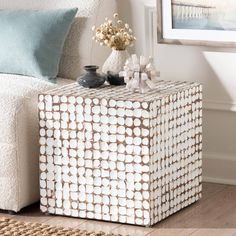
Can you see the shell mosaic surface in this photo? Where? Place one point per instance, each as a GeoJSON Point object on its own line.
{"type": "Point", "coordinates": [112, 155]}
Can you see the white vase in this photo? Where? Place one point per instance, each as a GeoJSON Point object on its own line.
{"type": "Point", "coordinates": [116, 61]}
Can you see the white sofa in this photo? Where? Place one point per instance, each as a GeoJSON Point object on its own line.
{"type": "Point", "coordinates": [19, 179]}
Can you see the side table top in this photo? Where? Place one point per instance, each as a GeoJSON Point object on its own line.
{"type": "Point", "coordinates": [162, 89]}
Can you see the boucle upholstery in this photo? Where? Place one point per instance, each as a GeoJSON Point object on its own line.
{"type": "Point", "coordinates": [19, 140]}
{"type": "Point", "coordinates": [19, 150]}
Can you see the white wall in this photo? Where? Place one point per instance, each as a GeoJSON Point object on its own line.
{"type": "Point", "coordinates": [215, 68]}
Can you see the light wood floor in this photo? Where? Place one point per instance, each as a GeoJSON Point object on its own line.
{"type": "Point", "coordinates": [214, 215]}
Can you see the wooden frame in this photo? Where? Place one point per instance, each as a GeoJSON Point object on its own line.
{"type": "Point", "coordinates": [163, 40]}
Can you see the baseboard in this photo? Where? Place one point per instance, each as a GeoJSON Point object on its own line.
{"type": "Point", "coordinates": [219, 180]}
{"type": "Point", "coordinates": [219, 168]}
{"type": "Point", "coordinates": [219, 105]}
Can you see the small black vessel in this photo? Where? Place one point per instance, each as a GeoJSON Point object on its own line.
{"type": "Point", "coordinates": [91, 79]}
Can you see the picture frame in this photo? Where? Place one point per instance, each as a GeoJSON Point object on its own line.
{"type": "Point", "coordinates": [167, 34]}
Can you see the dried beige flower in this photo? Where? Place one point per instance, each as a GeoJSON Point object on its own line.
{"type": "Point", "coordinates": [127, 26]}
{"type": "Point", "coordinates": [115, 35]}
{"type": "Point", "coordinates": [93, 28]}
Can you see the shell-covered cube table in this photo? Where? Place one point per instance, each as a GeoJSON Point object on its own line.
{"type": "Point", "coordinates": [112, 155]}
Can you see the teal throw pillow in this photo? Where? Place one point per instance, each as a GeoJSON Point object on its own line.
{"type": "Point", "coordinates": [31, 41]}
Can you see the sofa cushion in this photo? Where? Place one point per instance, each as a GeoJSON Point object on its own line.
{"type": "Point", "coordinates": [19, 139]}
{"type": "Point", "coordinates": [14, 92]}
{"type": "Point", "coordinates": [32, 41]}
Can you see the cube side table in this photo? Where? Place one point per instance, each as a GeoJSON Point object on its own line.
{"type": "Point", "coordinates": [112, 155]}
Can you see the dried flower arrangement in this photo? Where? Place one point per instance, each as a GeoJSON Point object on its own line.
{"type": "Point", "coordinates": [114, 34]}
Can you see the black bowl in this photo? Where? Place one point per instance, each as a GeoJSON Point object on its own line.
{"type": "Point", "coordinates": [114, 79]}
